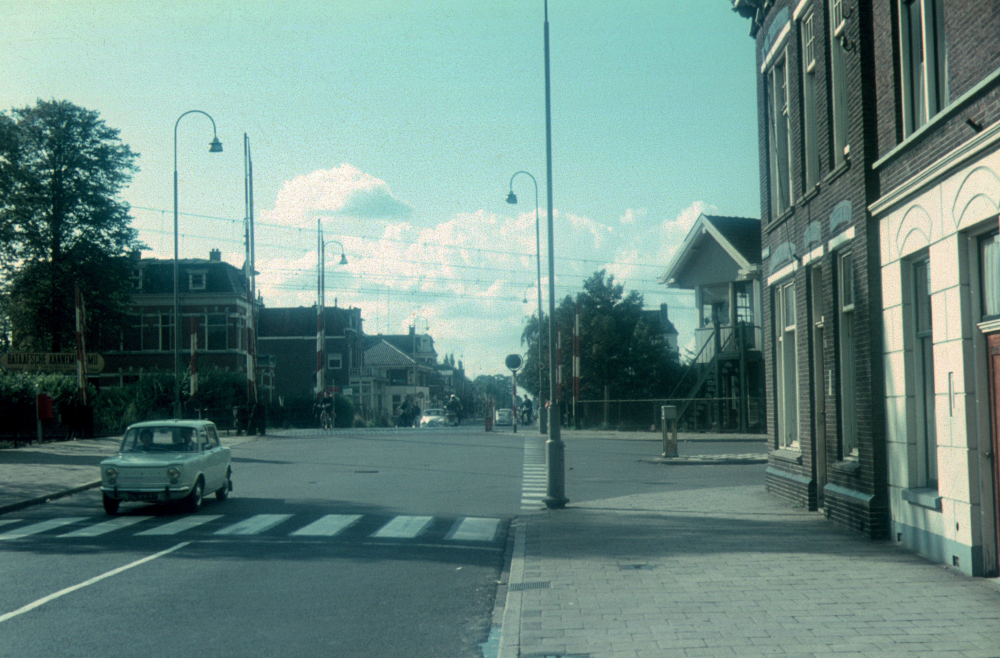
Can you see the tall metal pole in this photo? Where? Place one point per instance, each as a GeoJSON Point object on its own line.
{"type": "Point", "coordinates": [215, 147]}
{"type": "Point", "coordinates": [554, 449]}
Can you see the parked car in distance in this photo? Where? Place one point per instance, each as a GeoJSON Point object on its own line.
{"type": "Point", "coordinates": [504, 417]}
{"type": "Point", "coordinates": [166, 461]}
{"type": "Point", "coordinates": [432, 418]}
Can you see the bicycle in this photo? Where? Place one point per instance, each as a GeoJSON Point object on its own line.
{"type": "Point", "coordinates": [325, 420]}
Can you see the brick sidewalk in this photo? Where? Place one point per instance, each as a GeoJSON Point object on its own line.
{"type": "Point", "coordinates": [730, 572]}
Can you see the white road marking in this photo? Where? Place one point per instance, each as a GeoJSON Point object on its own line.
{"type": "Point", "coordinates": [474, 529]}
{"type": "Point", "coordinates": [63, 592]}
{"type": "Point", "coordinates": [254, 525]}
{"type": "Point", "coordinates": [36, 528]}
{"type": "Point", "coordinates": [404, 527]}
{"type": "Point", "coordinates": [180, 525]}
{"type": "Point", "coordinates": [328, 526]}
{"type": "Point", "coordinates": [106, 526]}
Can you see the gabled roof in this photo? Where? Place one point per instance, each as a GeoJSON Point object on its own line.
{"type": "Point", "coordinates": [739, 237]}
{"type": "Point", "coordinates": [380, 354]}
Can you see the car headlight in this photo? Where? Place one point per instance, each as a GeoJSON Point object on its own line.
{"type": "Point", "coordinates": [174, 474]}
{"type": "Point", "coordinates": [111, 473]}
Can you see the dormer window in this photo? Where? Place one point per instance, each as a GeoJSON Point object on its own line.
{"type": "Point", "coordinates": [196, 280]}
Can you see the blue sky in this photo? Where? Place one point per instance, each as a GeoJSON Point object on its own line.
{"type": "Point", "coordinates": [398, 125]}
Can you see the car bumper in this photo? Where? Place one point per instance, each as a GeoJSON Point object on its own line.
{"type": "Point", "coordinates": [146, 494]}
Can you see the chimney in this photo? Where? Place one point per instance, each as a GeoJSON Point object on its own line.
{"type": "Point", "coordinates": [663, 314]}
{"type": "Point", "coordinates": [215, 256]}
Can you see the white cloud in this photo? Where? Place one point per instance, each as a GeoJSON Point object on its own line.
{"type": "Point", "coordinates": [344, 191]}
{"type": "Point", "coordinates": [465, 277]}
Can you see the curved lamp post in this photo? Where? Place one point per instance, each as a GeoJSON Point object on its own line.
{"type": "Point", "coordinates": [321, 307]}
{"type": "Point", "coordinates": [214, 147]}
{"type": "Point", "coordinates": [512, 199]}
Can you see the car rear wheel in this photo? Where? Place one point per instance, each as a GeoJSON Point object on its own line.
{"type": "Point", "coordinates": [193, 501]}
{"type": "Point", "coordinates": [111, 505]}
{"type": "Point", "coordinates": [227, 486]}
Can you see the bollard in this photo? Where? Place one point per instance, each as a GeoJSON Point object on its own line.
{"type": "Point", "coordinates": [669, 415]}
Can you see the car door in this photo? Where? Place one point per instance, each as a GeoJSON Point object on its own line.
{"type": "Point", "coordinates": [212, 454]}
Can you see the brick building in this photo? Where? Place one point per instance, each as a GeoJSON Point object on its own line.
{"type": "Point", "coordinates": [286, 340]}
{"type": "Point", "coordinates": [213, 296]}
{"type": "Point", "coordinates": [822, 301]}
{"type": "Point", "coordinates": [937, 66]}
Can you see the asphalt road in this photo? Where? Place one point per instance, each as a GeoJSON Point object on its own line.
{"type": "Point", "coordinates": [367, 543]}
{"type": "Point", "coordinates": [413, 571]}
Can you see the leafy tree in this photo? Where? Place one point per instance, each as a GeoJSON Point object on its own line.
{"type": "Point", "coordinates": [497, 387]}
{"type": "Point", "coordinates": [61, 222]}
{"type": "Point", "coordinates": [618, 348]}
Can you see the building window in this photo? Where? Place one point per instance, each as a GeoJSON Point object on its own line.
{"type": "Point", "coordinates": [196, 280]}
{"type": "Point", "coordinates": [744, 301]}
{"type": "Point", "coordinates": [715, 304]}
{"type": "Point", "coordinates": [334, 361]}
{"type": "Point", "coordinates": [848, 368]}
{"type": "Point", "coordinates": [786, 369]}
{"type": "Point", "coordinates": [838, 83]}
{"type": "Point", "coordinates": [989, 259]}
{"type": "Point", "coordinates": [778, 136]}
{"type": "Point", "coordinates": [217, 332]}
{"type": "Point", "coordinates": [166, 332]}
{"type": "Point", "coordinates": [924, 375]}
{"type": "Point", "coordinates": [810, 128]}
{"type": "Point", "coordinates": [923, 59]}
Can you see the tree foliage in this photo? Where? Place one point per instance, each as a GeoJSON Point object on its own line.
{"type": "Point", "coordinates": [62, 222]}
{"type": "Point", "coordinates": [618, 348]}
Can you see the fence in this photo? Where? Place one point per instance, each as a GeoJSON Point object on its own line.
{"type": "Point", "coordinates": [700, 415]}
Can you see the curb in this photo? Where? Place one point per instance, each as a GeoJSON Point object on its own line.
{"type": "Point", "coordinates": [13, 507]}
{"type": "Point", "coordinates": [510, 629]}
{"type": "Point", "coordinates": [702, 460]}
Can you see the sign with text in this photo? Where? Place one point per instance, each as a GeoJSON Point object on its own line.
{"type": "Point", "coordinates": [49, 362]}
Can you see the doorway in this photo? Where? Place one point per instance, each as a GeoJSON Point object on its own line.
{"type": "Point", "coordinates": [818, 371]}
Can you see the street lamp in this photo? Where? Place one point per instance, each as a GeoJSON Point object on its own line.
{"type": "Point", "coordinates": [214, 147]}
{"type": "Point", "coordinates": [321, 307]}
{"type": "Point", "coordinates": [512, 199]}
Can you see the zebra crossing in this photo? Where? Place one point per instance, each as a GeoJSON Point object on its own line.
{"type": "Point", "coordinates": [535, 475]}
{"type": "Point", "coordinates": [463, 530]}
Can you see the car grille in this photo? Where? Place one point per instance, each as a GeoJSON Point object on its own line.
{"type": "Point", "coordinates": [146, 477]}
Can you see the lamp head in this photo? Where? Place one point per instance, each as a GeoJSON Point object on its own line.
{"type": "Point", "coordinates": [343, 259]}
{"type": "Point", "coordinates": [512, 198]}
{"type": "Point", "coordinates": [216, 146]}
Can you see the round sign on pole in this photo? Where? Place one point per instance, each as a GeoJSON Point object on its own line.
{"type": "Point", "coordinates": [514, 362]}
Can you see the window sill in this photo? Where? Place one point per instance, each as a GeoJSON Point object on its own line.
{"type": "Point", "coordinates": [838, 172]}
{"type": "Point", "coordinates": [809, 196]}
{"type": "Point", "coordinates": [790, 455]}
{"type": "Point", "coordinates": [848, 466]}
{"type": "Point", "coordinates": [780, 219]}
{"type": "Point", "coordinates": [923, 497]}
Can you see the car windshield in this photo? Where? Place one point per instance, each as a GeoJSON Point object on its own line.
{"type": "Point", "coordinates": [160, 439]}
{"type": "Point", "coordinates": [434, 412]}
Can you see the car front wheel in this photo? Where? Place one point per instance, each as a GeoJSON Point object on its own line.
{"type": "Point", "coordinates": [227, 486]}
{"type": "Point", "coordinates": [111, 505]}
{"type": "Point", "coordinates": [193, 501]}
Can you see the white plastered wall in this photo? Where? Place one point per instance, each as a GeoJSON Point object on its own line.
{"type": "Point", "coordinates": [937, 220]}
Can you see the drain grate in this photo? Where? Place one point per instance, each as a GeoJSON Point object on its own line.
{"type": "Point", "coordinates": [520, 587]}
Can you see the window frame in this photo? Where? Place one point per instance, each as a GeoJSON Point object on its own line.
{"type": "Point", "coordinates": [779, 134]}
{"type": "Point", "coordinates": [786, 365]}
{"type": "Point", "coordinates": [846, 353]}
{"type": "Point", "coordinates": [197, 276]}
{"type": "Point", "coordinates": [810, 120]}
{"type": "Point", "coordinates": [840, 142]}
{"type": "Point", "coordinates": [923, 371]}
{"type": "Point", "coordinates": [923, 74]}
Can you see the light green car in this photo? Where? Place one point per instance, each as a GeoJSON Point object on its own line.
{"type": "Point", "coordinates": [165, 461]}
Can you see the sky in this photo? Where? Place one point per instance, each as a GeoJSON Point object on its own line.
{"type": "Point", "coordinates": [397, 126]}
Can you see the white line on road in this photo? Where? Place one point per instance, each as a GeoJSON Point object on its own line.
{"type": "Point", "coordinates": [404, 527]}
{"type": "Point", "coordinates": [178, 526]}
{"type": "Point", "coordinates": [36, 528]}
{"type": "Point", "coordinates": [474, 529]}
{"type": "Point", "coordinates": [328, 526]}
{"type": "Point", "coordinates": [106, 526]}
{"type": "Point", "coordinates": [254, 525]}
{"type": "Point", "coordinates": [69, 590]}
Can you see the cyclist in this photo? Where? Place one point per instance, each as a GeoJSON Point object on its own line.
{"type": "Point", "coordinates": [326, 413]}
